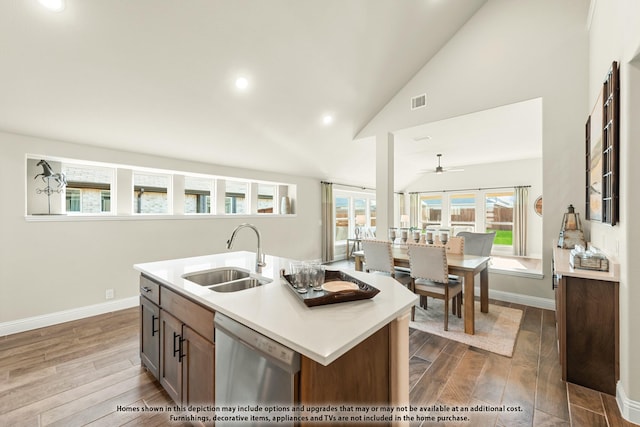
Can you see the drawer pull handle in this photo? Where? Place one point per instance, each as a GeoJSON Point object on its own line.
{"type": "Point", "coordinates": [146, 289]}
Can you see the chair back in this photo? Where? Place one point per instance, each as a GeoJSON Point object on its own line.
{"type": "Point", "coordinates": [428, 262]}
{"type": "Point", "coordinates": [455, 245]}
{"type": "Point", "coordinates": [477, 243]}
{"type": "Point", "coordinates": [378, 256]}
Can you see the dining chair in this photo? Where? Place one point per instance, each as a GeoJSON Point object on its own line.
{"type": "Point", "coordinates": [477, 243]}
{"type": "Point", "coordinates": [455, 245]}
{"type": "Point", "coordinates": [378, 257]}
{"type": "Point", "coordinates": [430, 278]}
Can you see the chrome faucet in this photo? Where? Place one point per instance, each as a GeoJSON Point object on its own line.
{"type": "Point", "coordinates": [259, 255]}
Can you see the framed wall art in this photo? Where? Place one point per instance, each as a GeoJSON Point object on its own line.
{"type": "Point", "coordinates": [602, 152]}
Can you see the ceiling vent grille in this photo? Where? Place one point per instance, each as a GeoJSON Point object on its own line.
{"type": "Point", "coordinates": [419, 101]}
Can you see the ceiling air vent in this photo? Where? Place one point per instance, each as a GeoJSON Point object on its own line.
{"type": "Point", "coordinates": [419, 101]}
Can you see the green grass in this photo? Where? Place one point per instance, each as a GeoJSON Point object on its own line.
{"type": "Point", "coordinates": [503, 237]}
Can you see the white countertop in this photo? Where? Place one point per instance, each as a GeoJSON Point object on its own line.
{"type": "Point", "coordinates": [562, 267]}
{"type": "Point", "coordinates": [322, 333]}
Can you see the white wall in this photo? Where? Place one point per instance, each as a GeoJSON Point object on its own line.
{"type": "Point", "coordinates": [47, 267]}
{"type": "Point", "coordinates": [615, 36]}
{"type": "Point", "coordinates": [512, 51]}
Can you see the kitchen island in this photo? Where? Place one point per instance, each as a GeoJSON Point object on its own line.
{"type": "Point", "coordinates": [352, 352]}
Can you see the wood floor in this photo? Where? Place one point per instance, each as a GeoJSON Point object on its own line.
{"type": "Point", "coordinates": [88, 371]}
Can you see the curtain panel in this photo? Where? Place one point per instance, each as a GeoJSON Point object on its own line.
{"type": "Point", "coordinates": [520, 221]}
{"type": "Point", "coordinates": [327, 222]}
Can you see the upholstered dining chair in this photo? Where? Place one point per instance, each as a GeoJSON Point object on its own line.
{"type": "Point", "coordinates": [378, 257]}
{"type": "Point", "coordinates": [455, 245]}
{"type": "Point", "coordinates": [477, 243]}
{"type": "Point", "coordinates": [430, 278]}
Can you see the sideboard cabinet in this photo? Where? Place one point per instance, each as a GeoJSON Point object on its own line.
{"type": "Point", "coordinates": [587, 323]}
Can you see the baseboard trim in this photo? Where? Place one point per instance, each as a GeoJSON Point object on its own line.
{"type": "Point", "coordinates": [629, 409]}
{"type": "Point", "coordinates": [30, 323]}
{"type": "Point", "coordinates": [544, 303]}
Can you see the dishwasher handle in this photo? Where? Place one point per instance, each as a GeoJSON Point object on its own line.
{"type": "Point", "coordinates": [284, 357]}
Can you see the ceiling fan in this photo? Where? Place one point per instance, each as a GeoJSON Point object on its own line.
{"type": "Point", "coordinates": [439, 169]}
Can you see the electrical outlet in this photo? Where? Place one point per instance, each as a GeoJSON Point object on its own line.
{"type": "Point", "coordinates": [109, 294]}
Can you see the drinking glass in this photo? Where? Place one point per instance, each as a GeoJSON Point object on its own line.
{"type": "Point", "coordinates": [316, 276]}
{"type": "Point", "coordinates": [300, 275]}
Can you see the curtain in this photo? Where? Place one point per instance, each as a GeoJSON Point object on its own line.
{"type": "Point", "coordinates": [327, 222]}
{"type": "Point", "coordinates": [520, 221]}
{"type": "Point", "coordinates": [414, 212]}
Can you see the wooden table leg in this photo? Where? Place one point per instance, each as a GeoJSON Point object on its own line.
{"type": "Point", "coordinates": [469, 304]}
{"type": "Point", "coordinates": [358, 263]}
{"type": "Point", "coordinates": [484, 290]}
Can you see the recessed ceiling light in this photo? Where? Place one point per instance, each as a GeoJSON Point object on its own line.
{"type": "Point", "coordinates": [327, 119]}
{"type": "Point", "coordinates": [242, 83]}
{"type": "Point", "coordinates": [53, 5]}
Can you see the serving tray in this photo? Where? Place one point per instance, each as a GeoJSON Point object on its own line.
{"type": "Point", "coordinates": [313, 298]}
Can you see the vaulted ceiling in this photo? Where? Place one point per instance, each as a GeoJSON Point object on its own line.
{"type": "Point", "coordinates": [158, 76]}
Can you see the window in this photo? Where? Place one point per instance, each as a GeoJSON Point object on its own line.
{"type": "Point", "coordinates": [87, 187]}
{"type": "Point", "coordinates": [197, 195]}
{"type": "Point", "coordinates": [235, 197]}
{"type": "Point", "coordinates": [73, 199]}
{"type": "Point", "coordinates": [462, 210]}
{"type": "Point", "coordinates": [431, 210]}
{"type": "Point", "coordinates": [56, 186]}
{"type": "Point", "coordinates": [499, 216]}
{"type": "Point", "coordinates": [354, 210]}
{"type": "Point", "coordinates": [265, 198]}
{"type": "Point", "coordinates": [150, 193]}
{"type": "Point", "coordinates": [372, 212]}
{"type": "Point", "coordinates": [341, 207]}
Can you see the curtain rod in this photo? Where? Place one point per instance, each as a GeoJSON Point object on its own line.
{"type": "Point", "coordinates": [469, 189]}
{"type": "Point", "coordinates": [348, 185]}
{"type": "Point", "coordinates": [355, 186]}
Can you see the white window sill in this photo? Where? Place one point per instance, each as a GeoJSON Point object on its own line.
{"type": "Point", "coordinates": [142, 217]}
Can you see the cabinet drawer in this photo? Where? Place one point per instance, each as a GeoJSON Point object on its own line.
{"type": "Point", "coordinates": [197, 317]}
{"type": "Point", "coordinates": [150, 290]}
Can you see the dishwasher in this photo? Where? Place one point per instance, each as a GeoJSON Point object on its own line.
{"type": "Point", "coordinates": [252, 371]}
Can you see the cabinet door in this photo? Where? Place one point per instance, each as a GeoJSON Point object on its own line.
{"type": "Point", "coordinates": [150, 335]}
{"type": "Point", "coordinates": [170, 355]}
{"type": "Point", "coordinates": [198, 369]}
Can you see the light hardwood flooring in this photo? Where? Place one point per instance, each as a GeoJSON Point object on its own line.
{"type": "Point", "coordinates": [78, 373]}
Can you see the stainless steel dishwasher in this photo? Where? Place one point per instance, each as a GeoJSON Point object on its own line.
{"type": "Point", "coordinates": [252, 369]}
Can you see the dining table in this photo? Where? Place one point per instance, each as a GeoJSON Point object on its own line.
{"type": "Point", "coordinates": [465, 266]}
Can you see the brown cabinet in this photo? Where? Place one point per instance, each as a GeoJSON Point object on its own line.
{"type": "Point", "coordinates": [150, 335]}
{"type": "Point", "coordinates": [176, 344]}
{"type": "Point", "coordinates": [587, 322]}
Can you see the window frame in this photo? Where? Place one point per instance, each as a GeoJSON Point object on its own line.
{"type": "Point", "coordinates": [121, 191]}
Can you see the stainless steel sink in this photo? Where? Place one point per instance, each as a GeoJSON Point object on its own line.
{"type": "Point", "coordinates": [216, 276]}
{"type": "Point", "coordinates": [239, 285]}
{"type": "Point", "coordinates": [226, 279]}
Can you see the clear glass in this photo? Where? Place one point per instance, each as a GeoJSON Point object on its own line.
{"type": "Point", "coordinates": [430, 211]}
{"type": "Point", "coordinates": [372, 213]}
{"type": "Point", "coordinates": [341, 208]}
{"type": "Point", "coordinates": [462, 210]}
{"type": "Point", "coordinates": [150, 193]}
{"type": "Point", "coordinates": [86, 187]}
{"type": "Point", "coordinates": [499, 216]}
{"type": "Point", "coordinates": [265, 198]}
{"type": "Point", "coordinates": [197, 195]}
{"type": "Point", "coordinates": [235, 200]}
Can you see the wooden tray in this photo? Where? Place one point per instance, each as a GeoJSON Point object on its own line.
{"type": "Point", "coordinates": [313, 298]}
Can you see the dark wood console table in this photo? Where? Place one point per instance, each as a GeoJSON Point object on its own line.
{"type": "Point", "coordinates": [587, 321]}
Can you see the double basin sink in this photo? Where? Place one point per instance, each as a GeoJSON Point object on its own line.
{"type": "Point", "coordinates": [226, 279]}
